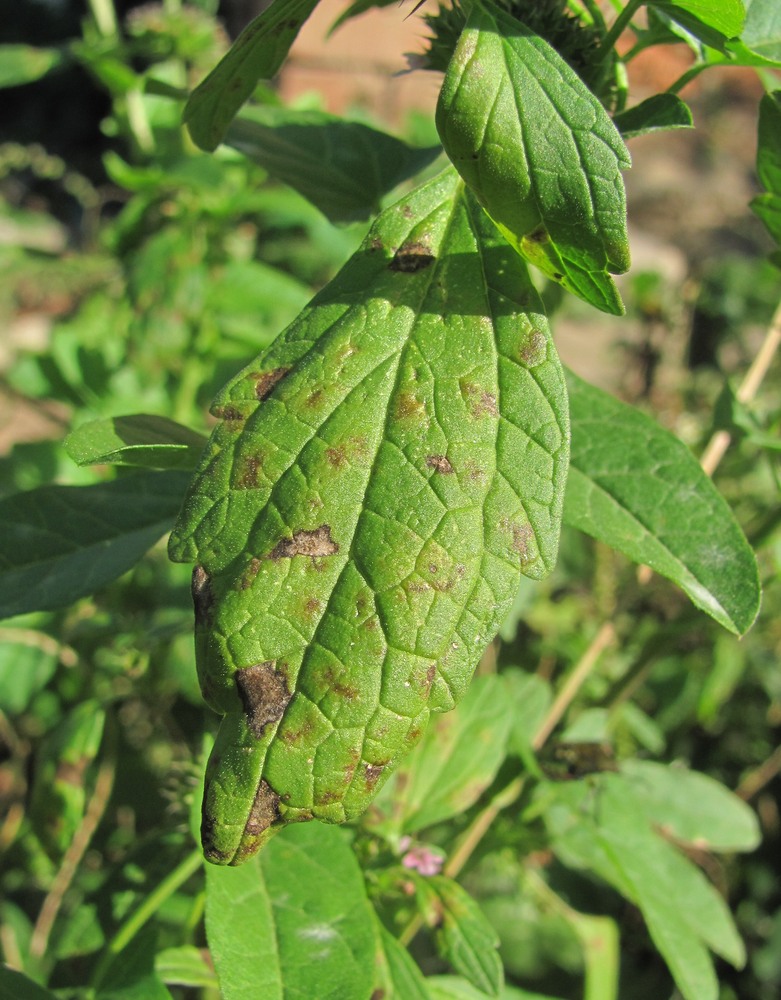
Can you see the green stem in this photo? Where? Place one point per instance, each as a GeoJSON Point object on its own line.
{"type": "Point", "coordinates": [105, 17]}
{"type": "Point", "coordinates": [145, 912]}
{"type": "Point", "coordinates": [597, 18]}
{"type": "Point", "coordinates": [686, 78]}
{"type": "Point", "coordinates": [618, 26]}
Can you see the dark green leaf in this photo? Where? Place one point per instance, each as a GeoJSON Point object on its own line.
{"type": "Point", "coordinates": [381, 477]}
{"type": "Point", "coordinates": [293, 923]}
{"type": "Point", "coordinates": [131, 974]}
{"type": "Point", "coordinates": [185, 966]}
{"type": "Point", "coordinates": [142, 440]}
{"type": "Point", "coordinates": [540, 153]}
{"type": "Point", "coordinates": [465, 938]}
{"type": "Point", "coordinates": [357, 8]}
{"type": "Point", "coordinates": [256, 55]}
{"type": "Point", "coordinates": [637, 488]}
{"type": "Point", "coordinates": [16, 986]}
{"type": "Point", "coordinates": [768, 206]}
{"type": "Point", "coordinates": [61, 543]}
{"type": "Point", "coordinates": [20, 64]}
{"type": "Point", "coordinates": [342, 167]}
{"type": "Point", "coordinates": [662, 111]}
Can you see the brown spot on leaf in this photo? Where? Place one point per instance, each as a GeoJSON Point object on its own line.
{"type": "Point", "coordinates": [523, 537]}
{"type": "Point", "coordinates": [538, 235]}
{"type": "Point", "coordinates": [440, 463]}
{"type": "Point", "coordinates": [306, 543]}
{"type": "Point", "coordinates": [264, 811]}
{"type": "Point", "coordinates": [411, 257]}
{"type": "Point", "coordinates": [337, 457]}
{"type": "Point", "coordinates": [264, 695]}
{"type": "Point", "coordinates": [479, 400]}
{"type": "Point", "coordinates": [248, 576]}
{"type": "Point", "coordinates": [372, 774]}
{"type": "Point", "coordinates": [347, 691]}
{"type": "Point", "coordinates": [378, 994]}
{"type": "Point", "coordinates": [247, 478]}
{"type": "Point", "coordinates": [408, 405]}
{"type": "Point", "coordinates": [376, 244]}
{"type": "Point", "coordinates": [203, 599]}
{"type": "Point", "coordinates": [71, 772]}
{"type": "Point", "coordinates": [227, 412]}
{"type": "Point", "coordinates": [312, 606]}
{"type": "Point", "coordinates": [315, 398]}
{"type": "Point", "coordinates": [534, 349]}
{"type": "Point", "coordinates": [207, 839]}
{"type": "Point", "coordinates": [265, 381]}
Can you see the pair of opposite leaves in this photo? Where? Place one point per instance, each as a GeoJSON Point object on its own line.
{"type": "Point", "coordinates": [387, 469]}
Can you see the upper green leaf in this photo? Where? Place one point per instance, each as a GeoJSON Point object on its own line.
{"type": "Point", "coordinates": [256, 54]}
{"type": "Point", "coordinates": [293, 924]}
{"type": "Point", "coordinates": [762, 33]}
{"type": "Point", "coordinates": [61, 543]}
{"type": "Point", "coordinates": [637, 488]}
{"type": "Point", "coordinates": [342, 167]}
{"type": "Point", "coordinates": [142, 440]}
{"type": "Point", "coordinates": [381, 477]}
{"type": "Point", "coordinates": [540, 153]}
{"type": "Point", "coordinates": [662, 111]}
{"type": "Point", "coordinates": [704, 17]}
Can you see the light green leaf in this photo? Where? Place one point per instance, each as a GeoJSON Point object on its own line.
{"type": "Point", "coordinates": [342, 167]}
{"type": "Point", "coordinates": [662, 111]}
{"type": "Point", "coordinates": [692, 807]}
{"type": "Point", "coordinates": [704, 17]}
{"type": "Point", "coordinates": [27, 663]}
{"type": "Point", "coordinates": [61, 543]}
{"type": "Point", "coordinates": [185, 966]}
{"type": "Point", "coordinates": [456, 988]}
{"type": "Point", "coordinates": [762, 32]}
{"type": "Point", "coordinates": [294, 923]}
{"type": "Point", "coordinates": [638, 489]}
{"type": "Point", "coordinates": [540, 153]}
{"type": "Point", "coordinates": [21, 64]}
{"type": "Point", "coordinates": [457, 759]}
{"type": "Point", "coordinates": [381, 477]}
{"type": "Point", "coordinates": [684, 913]}
{"type": "Point", "coordinates": [465, 938]}
{"type": "Point", "coordinates": [402, 979]}
{"type": "Point", "coordinates": [143, 439]}
{"type": "Point", "coordinates": [256, 55]}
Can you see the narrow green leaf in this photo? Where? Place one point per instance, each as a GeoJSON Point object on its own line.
{"type": "Point", "coordinates": [256, 55]}
{"type": "Point", "coordinates": [342, 167]}
{"type": "Point", "coordinates": [662, 111]}
{"type": "Point", "coordinates": [456, 988]}
{"type": "Point", "coordinates": [762, 32]}
{"type": "Point", "coordinates": [456, 760]}
{"type": "Point", "coordinates": [293, 923]}
{"type": "Point", "coordinates": [186, 966]}
{"type": "Point", "coordinates": [693, 808]}
{"type": "Point", "coordinates": [768, 205]}
{"type": "Point", "coordinates": [26, 666]}
{"type": "Point", "coordinates": [540, 153]}
{"type": "Point", "coordinates": [381, 477]}
{"type": "Point", "coordinates": [21, 64]}
{"type": "Point", "coordinates": [465, 938]}
{"type": "Point", "coordinates": [61, 543]}
{"type": "Point", "coordinates": [685, 915]}
{"type": "Point", "coordinates": [143, 439]}
{"type": "Point", "coordinates": [402, 979]}
{"type": "Point", "coordinates": [638, 489]}
{"type": "Point", "coordinates": [725, 17]}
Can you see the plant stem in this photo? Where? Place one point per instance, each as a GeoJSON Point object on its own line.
{"type": "Point", "coordinates": [686, 78]}
{"type": "Point", "coordinates": [105, 17]}
{"type": "Point", "coordinates": [756, 780]}
{"type": "Point", "coordinates": [145, 912]}
{"type": "Point", "coordinates": [72, 858]}
{"type": "Point", "coordinates": [618, 26]}
{"type": "Point", "coordinates": [718, 444]}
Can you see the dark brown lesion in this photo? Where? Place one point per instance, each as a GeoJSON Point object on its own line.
{"type": "Point", "coordinates": [306, 543]}
{"type": "Point", "coordinates": [265, 381]}
{"type": "Point", "coordinates": [411, 257]}
{"type": "Point", "coordinates": [264, 812]}
{"type": "Point", "coordinates": [227, 412]}
{"type": "Point", "coordinates": [440, 463]}
{"type": "Point", "coordinates": [264, 695]}
{"type": "Point", "coordinates": [203, 598]}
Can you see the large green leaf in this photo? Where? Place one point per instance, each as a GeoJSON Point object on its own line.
{"type": "Point", "coordinates": [256, 55]}
{"type": "Point", "coordinates": [294, 923]}
{"type": "Point", "coordinates": [762, 32]}
{"type": "Point", "coordinates": [61, 543]}
{"type": "Point", "coordinates": [342, 167]}
{"type": "Point", "coordinates": [612, 837]}
{"type": "Point", "coordinates": [539, 151]}
{"type": "Point", "coordinates": [712, 21]}
{"type": "Point", "coordinates": [465, 938]}
{"type": "Point", "coordinates": [662, 111]}
{"type": "Point", "coordinates": [20, 64]}
{"type": "Point", "coordinates": [381, 477]}
{"type": "Point", "coordinates": [637, 488]}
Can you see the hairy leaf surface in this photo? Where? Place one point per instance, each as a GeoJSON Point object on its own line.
{"type": "Point", "coordinates": [540, 153]}
{"type": "Point", "coordinates": [381, 477]}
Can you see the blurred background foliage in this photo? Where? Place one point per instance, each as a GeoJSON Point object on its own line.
{"type": "Point", "coordinates": [138, 274]}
